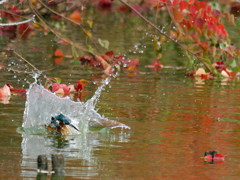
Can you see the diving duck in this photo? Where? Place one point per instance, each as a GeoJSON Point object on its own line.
{"type": "Point", "coordinates": [61, 125]}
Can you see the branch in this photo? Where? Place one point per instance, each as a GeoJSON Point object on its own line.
{"type": "Point", "coordinates": [18, 23]}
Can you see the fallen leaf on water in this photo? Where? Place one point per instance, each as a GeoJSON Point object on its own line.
{"type": "Point", "coordinates": [79, 87]}
{"type": "Point", "coordinates": [60, 92]}
{"type": "Point", "coordinates": [200, 71]}
{"type": "Point", "coordinates": [71, 88]}
{"type": "Point", "coordinates": [16, 91]}
{"type": "Point", "coordinates": [57, 86]}
{"type": "Point", "coordinates": [58, 53]}
{"type": "Point", "coordinates": [84, 81]}
{"type": "Point", "coordinates": [5, 94]}
{"type": "Point", "coordinates": [106, 66]}
{"type": "Point", "coordinates": [191, 73]}
{"type": "Point", "coordinates": [213, 157]}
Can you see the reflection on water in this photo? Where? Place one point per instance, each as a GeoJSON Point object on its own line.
{"type": "Point", "coordinates": [73, 147]}
{"type": "Point", "coordinates": [173, 119]}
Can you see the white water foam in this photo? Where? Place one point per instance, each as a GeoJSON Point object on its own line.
{"type": "Point", "coordinates": [42, 104]}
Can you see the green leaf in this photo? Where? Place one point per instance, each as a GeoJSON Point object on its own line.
{"type": "Point", "coordinates": [118, 67]}
{"type": "Point", "coordinates": [76, 62]}
{"type": "Point", "coordinates": [58, 80]}
{"type": "Point", "coordinates": [222, 46]}
{"type": "Point", "coordinates": [104, 43]}
{"type": "Point", "coordinates": [233, 64]}
{"type": "Point", "coordinates": [90, 48]}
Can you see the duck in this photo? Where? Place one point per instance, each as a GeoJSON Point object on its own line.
{"type": "Point", "coordinates": [61, 125]}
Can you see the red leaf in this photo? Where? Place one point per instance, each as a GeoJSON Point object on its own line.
{"type": "Point", "coordinates": [209, 8]}
{"type": "Point", "coordinates": [62, 42]}
{"type": "Point", "coordinates": [191, 1]}
{"type": "Point", "coordinates": [216, 13]}
{"type": "Point", "coordinates": [185, 23]}
{"type": "Point", "coordinates": [172, 34]}
{"type": "Point", "coordinates": [156, 65]}
{"type": "Point", "coordinates": [222, 30]}
{"type": "Point", "coordinates": [75, 16]}
{"type": "Point", "coordinates": [24, 27]}
{"type": "Point", "coordinates": [195, 37]}
{"type": "Point", "coordinates": [16, 91]}
{"type": "Point", "coordinates": [5, 91]}
{"type": "Point", "coordinates": [204, 45]}
{"type": "Point", "coordinates": [134, 62]}
{"type": "Point", "coordinates": [178, 16]}
{"type": "Point", "coordinates": [218, 156]}
{"type": "Point", "coordinates": [173, 2]}
{"type": "Point", "coordinates": [57, 86]}
{"type": "Point", "coordinates": [79, 86]}
{"type": "Point", "coordinates": [183, 5]}
{"type": "Point", "coordinates": [5, 94]}
{"type": "Point", "coordinates": [191, 18]}
{"type": "Point", "coordinates": [191, 73]}
{"type": "Point", "coordinates": [201, 4]}
{"type": "Point", "coordinates": [104, 5]}
{"type": "Point", "coordinates": [194, 10]}
{"type": "Point", "coordinates": [200, 22]}
{"type": "Point", "coordinates": [58, 53]}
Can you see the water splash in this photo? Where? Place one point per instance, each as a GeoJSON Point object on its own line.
{"type": "Point", "coordinates": [41, 105]}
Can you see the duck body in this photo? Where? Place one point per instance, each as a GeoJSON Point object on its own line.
{"type": "Point", "coordinates": [61, 125]}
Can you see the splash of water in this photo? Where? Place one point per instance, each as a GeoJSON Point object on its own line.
{"type": "Point", "coordinates": [41, 105]}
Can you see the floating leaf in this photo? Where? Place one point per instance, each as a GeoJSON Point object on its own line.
{"type": "Point", "coordinates": [200, 71]}
{"type": "Point", "coordinates": [58, 80]}
{"type": "Point", "coordinates": [79, 86]}
{"type": "Point", "coordinates": [58, 53]}
{"type": "Point", "coordinates": [104, 43]}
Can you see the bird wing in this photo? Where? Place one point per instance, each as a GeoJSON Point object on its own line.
{"type": "Point", "coordinates": [64, 119]}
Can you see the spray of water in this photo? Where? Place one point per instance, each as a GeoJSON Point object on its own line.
{"type": "Point", "coordinates": [41, 105]}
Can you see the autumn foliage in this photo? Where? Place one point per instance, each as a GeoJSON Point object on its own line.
{"type": "Point", "coordinates": [199, 25]}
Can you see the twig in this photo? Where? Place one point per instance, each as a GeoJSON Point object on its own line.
{"type": "Point", "coordinates": [199, 58]}
{"type": "Point", "coordinates": [14, 70]}
{"type": "Point", "coordinates": [18, 23]}
{"type": "Point", "coordinates": [30, 65]}
{"type": "Point", "coordinates": [19, 38]}
{"type": "Point", "coordinates": [70, 21]}
{"type": "Point", "coordinates": [54, 32]}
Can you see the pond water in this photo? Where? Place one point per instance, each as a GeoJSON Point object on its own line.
{"type": "Point", "coordinates": [173, 119]}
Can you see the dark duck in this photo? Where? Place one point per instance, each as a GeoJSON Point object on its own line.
{"type": "Point", "coordinates": [61, 125]}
